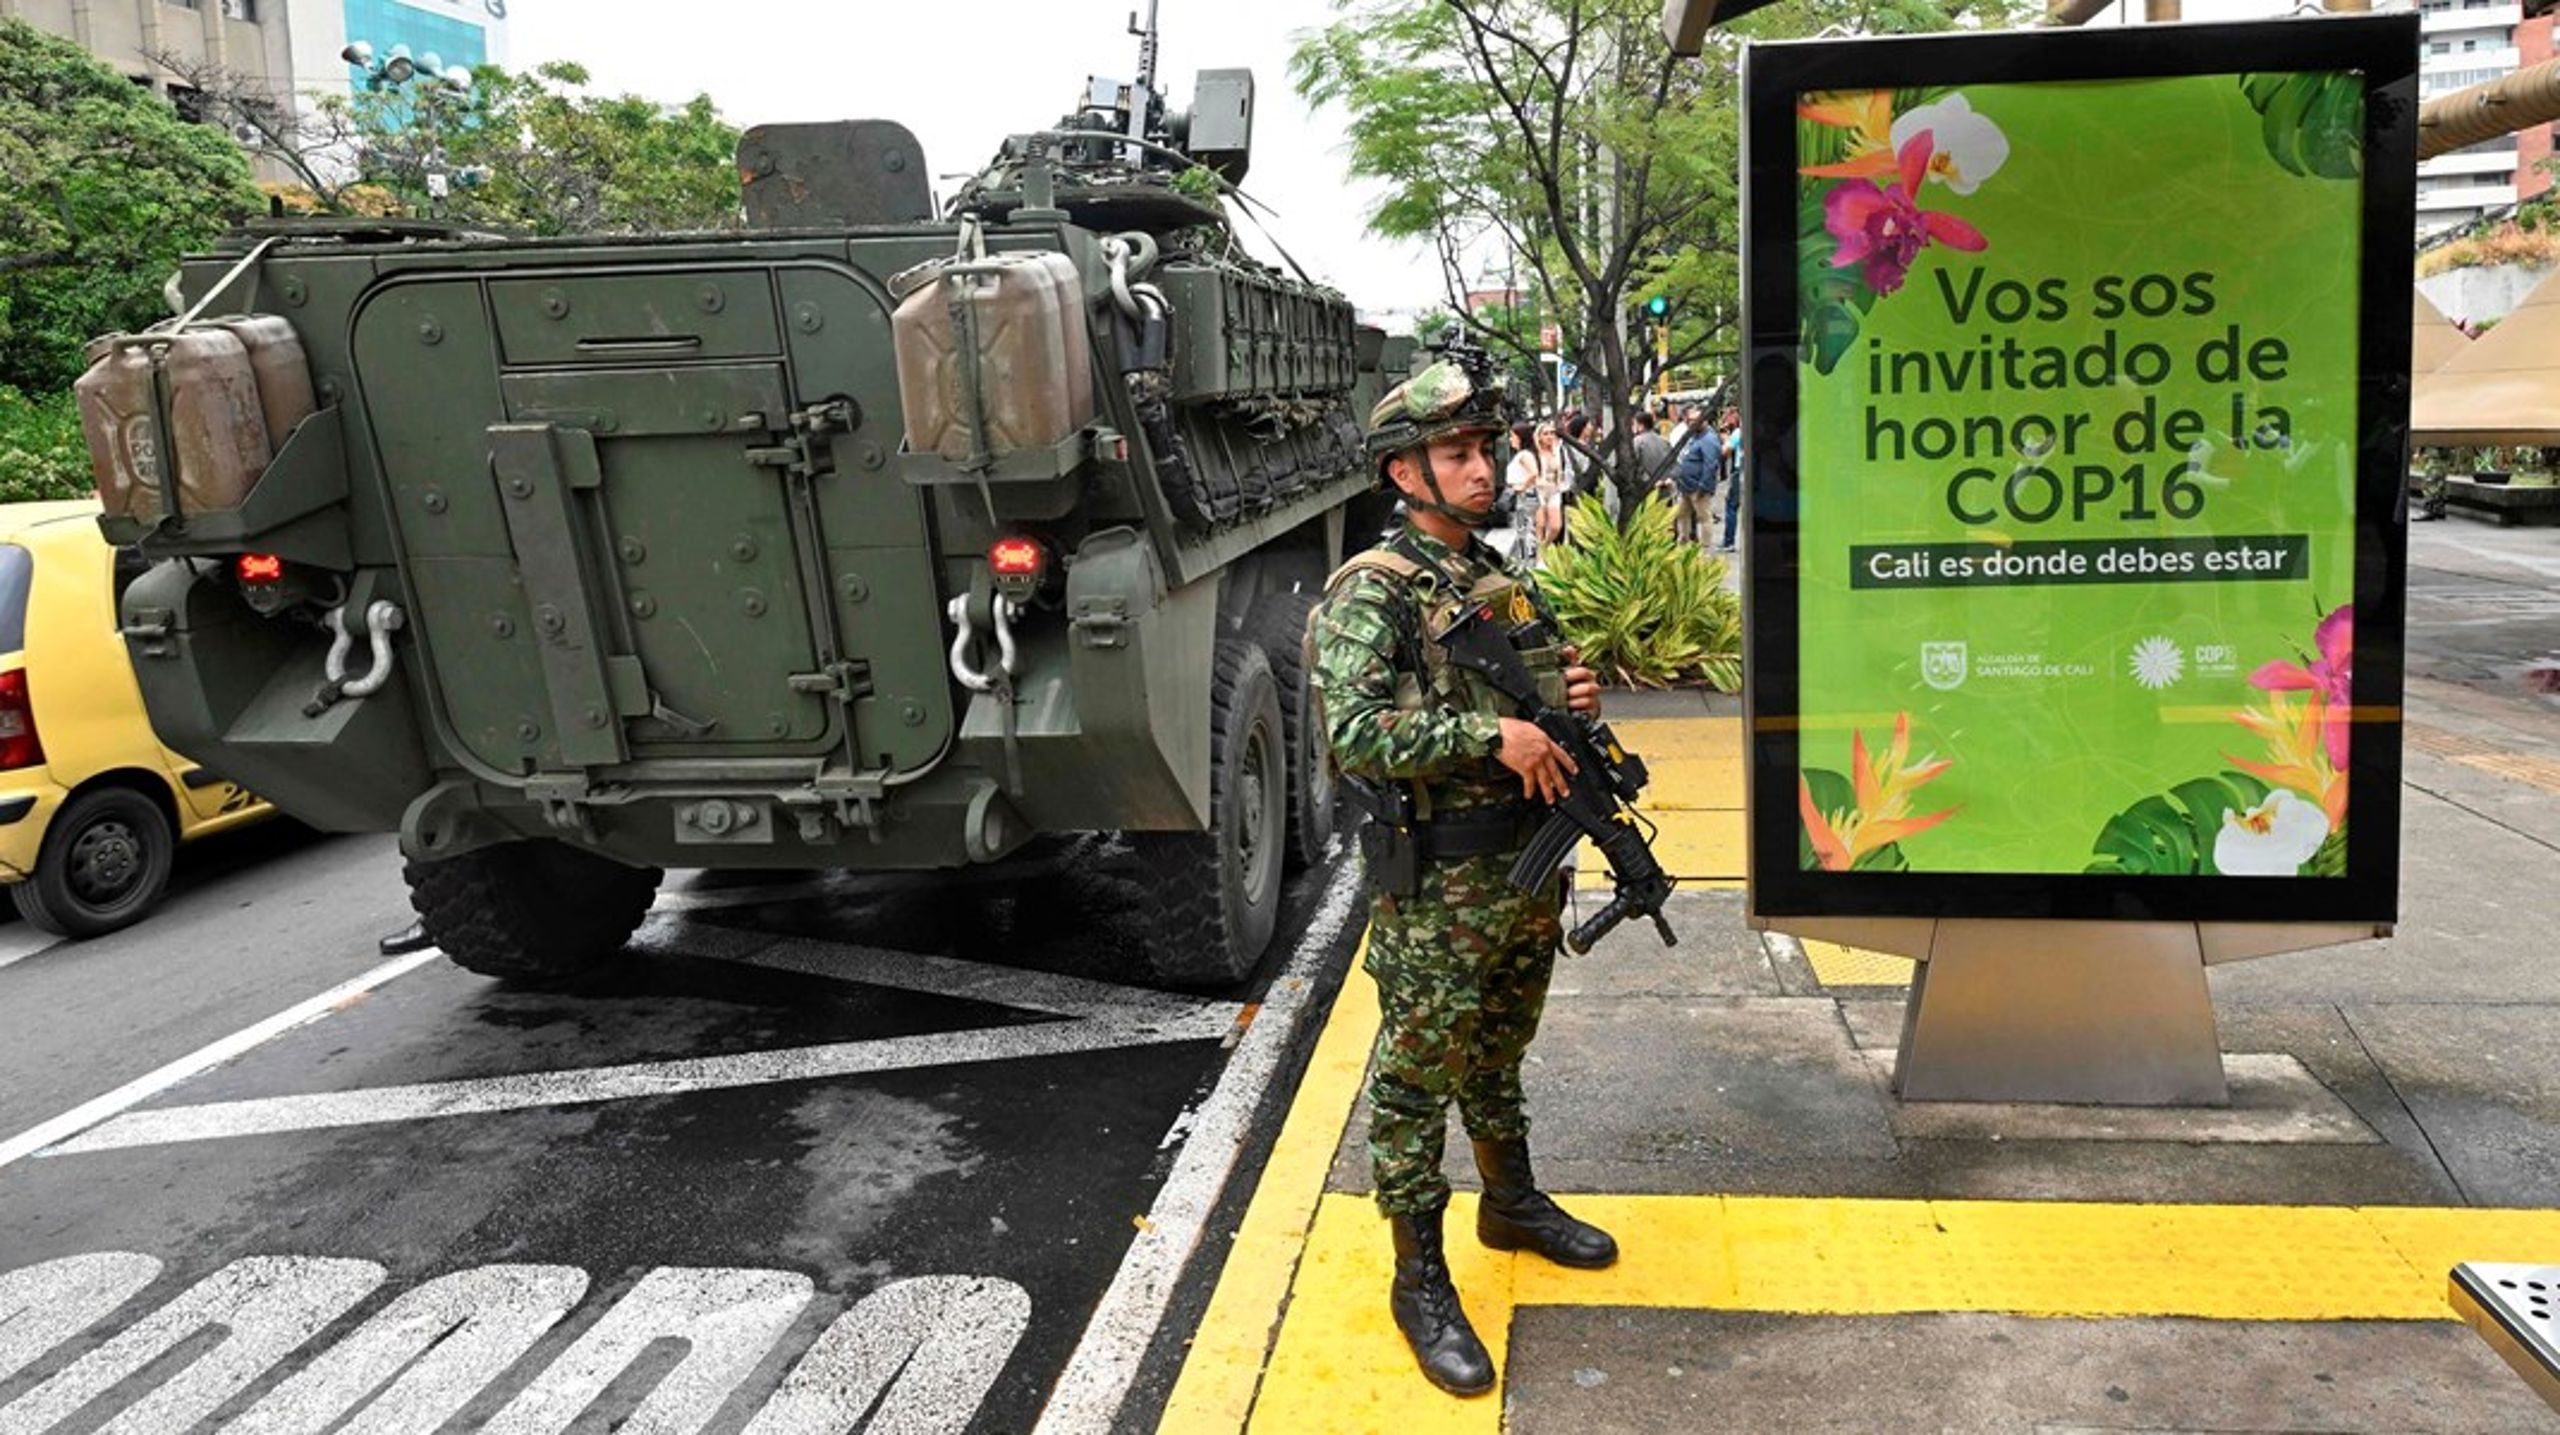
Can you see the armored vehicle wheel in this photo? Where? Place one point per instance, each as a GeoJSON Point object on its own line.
{"type": "Point", "coordinates": [1216, 894]}
{"type": "Point", "coordinates": [533, 911]}
{"type": "Point", "coordinates": [104, 863]}
{"type": "Point", "coordinates": [1279, 623]}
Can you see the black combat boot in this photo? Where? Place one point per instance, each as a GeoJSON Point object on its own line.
{"type": "Point", "coordinates": [1516, 1216]}
{"type": "Point", "coordinates": [1427, 1310]}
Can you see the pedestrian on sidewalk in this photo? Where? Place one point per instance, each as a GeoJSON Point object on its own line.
{"type": "Point", "coordinates": [1528, 503]}
{"type": "Point", "coordinates": [1581, 475]}
{"type": "Point", "coordinates": [1733, 471]}
{"type": "Point", "coordinates": [1454, 790]}
{"type": "Point", "coordinates": [1694, 476]}
{"type": "Point", "coordinates": [1653, 469]}
{"type": "Point", "coordinates": [1551, 483]}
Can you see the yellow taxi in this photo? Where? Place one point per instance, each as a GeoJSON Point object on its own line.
{"type": "Point", "coordinates": [92, 806]}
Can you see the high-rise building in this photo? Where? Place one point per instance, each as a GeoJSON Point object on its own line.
{"type": "Point", "coordinates": [456, 32]}
{"type": "Point", "coordinates": [286, 46]}
{"type": "Point", "coordinates": [245, 38]}
{"type": "Point", "coordinates": [2464, 43]}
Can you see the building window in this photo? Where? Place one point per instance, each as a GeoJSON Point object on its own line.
{"type": "Point", "coordinates": [189, 103]}
{"type": "Point", "coordinates": [185, 4]}
{"type": "Point", "coordinates": [240, 10]}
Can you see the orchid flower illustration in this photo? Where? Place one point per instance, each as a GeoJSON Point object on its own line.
{"type": "Point", "coordinates": [1968, 147]}
{"type": "Point", "coordinates": [2272, 839]}
{"type": "Point", "coordinates": [2331, 675]}
{"type": "Point", "coordinates": [1885, 228]}
{"type": "Point", "coordinates": [1884, 787]}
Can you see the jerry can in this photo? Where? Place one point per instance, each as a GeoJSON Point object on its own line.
{"type": "Point", "coordinates": [1032, 358]}
{"type": "Point", "coordinates": [280, 369]}
{"type": "Point", "coordinates": [218, 425]}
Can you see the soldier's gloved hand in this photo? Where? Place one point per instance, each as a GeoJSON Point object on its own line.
{"type": "Point", "coordinates": [1581, 685]}
{"type": "Point", "coordinates": [1546, 770]}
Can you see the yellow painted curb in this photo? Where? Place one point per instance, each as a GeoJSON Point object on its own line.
{"type": "Point", "coordinates": [1215, 1391]}
{"type": "Point", "coordinates": [1340, 1365]}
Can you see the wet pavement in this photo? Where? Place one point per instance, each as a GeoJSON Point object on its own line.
{"type": "Point", "coordinates": [814, 1152]}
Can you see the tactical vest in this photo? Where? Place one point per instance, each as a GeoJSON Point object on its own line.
{"type": "Point", "coordinates": [1425, 678]}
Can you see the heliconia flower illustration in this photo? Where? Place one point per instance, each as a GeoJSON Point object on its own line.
{"type": "Point", "coordinates": [2272, 839]}
{"type": "Point", "coordinates": [1868, 117]}
{"type": "Point", "coordinates": [2297, 752]}
{"type": "Point", "coordinates": [1885, 228]}
{"type": "Point", "coordinates": [1968, 147]}
{"type": "Point", "coordinates": [2331, 675]}
{"type": "Point", "coordinates": [1884, 787]}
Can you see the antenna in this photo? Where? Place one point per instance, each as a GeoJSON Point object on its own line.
{"type": "Point", "coordinates": [1142, 95]}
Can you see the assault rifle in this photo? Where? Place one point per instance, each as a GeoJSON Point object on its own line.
{"type": "Point", "coordinates": [1597, 801]}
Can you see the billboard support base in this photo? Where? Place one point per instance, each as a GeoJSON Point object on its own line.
{"type": "Point", "coordinates": [2111, 1013]}
{"type": "Point", "coordinates": [2080, 1012]}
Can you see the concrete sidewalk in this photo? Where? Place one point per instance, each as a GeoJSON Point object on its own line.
{"type": "Point", "coordinates": [1805, 1252]}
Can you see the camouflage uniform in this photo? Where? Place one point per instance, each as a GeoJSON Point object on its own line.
{"type": "Point", "coordinates": [1462, 963]}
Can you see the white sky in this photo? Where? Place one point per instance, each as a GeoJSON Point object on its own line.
{"type": "Point", "coordinates": [963, 74]}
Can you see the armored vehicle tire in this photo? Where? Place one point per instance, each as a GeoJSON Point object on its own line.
{"type": "Point", "coordinates": [533, 911]}
{"type": "Point", "coordinates": [1216, 894]}
{"type": "Point", "coordinates": [104, 862]}
{"type": "Point", "coordinates": [1279, 623]}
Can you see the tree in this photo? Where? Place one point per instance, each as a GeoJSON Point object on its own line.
{"type": "Point", "coordinates": [1566, 132]}
{"type": "Point", "coordinates": [548, 157]}
{"type": "Point", "coordinates": [102, 189]}
{"type": "Point", "coordinates": [562, 161]}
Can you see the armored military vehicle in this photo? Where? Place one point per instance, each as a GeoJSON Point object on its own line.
{"type": "Point", "coordinates": [881, 535]}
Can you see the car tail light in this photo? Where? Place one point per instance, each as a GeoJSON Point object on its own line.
{"type": "Point", "coordinates": [19, 745]}
{"type": "Point", "coordinates": [259, 568]}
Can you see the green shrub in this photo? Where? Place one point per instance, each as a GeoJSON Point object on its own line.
{"type": "Point", "coordinates": [1646, 609]}
{"type": "Point", "coordinates": [41, 451]}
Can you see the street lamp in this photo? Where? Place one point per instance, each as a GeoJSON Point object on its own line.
{"type": "Point", "coordinates": [398, 68]}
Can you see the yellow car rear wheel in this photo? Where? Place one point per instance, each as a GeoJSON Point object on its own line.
{"type": "Point", "coordinates": [104, 864]}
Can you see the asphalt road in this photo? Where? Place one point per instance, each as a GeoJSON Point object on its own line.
{"type": "Point", "coordinates": [817, 1155]}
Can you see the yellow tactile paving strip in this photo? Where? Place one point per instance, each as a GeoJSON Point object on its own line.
{"type": "Point", "coordinates": [1297, 1337]}
{"type": "Point", "coordinates": [1837, 966]}
{"type": "Point", "coordinates": [2487, 757]}
{"type": "Point", "coordinates": [1694, 800]}
{"type": "Point", "coordinates": [1339, 1364]}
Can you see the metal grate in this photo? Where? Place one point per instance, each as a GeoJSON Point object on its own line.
{"type": "Point", "coordinates": [2517, 1310]}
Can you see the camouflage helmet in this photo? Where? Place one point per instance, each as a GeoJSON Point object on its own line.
{"type": "Point", "coordinates": [1442, 400]}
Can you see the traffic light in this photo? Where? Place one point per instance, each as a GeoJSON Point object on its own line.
{"type": "Point", "coordinates": [1658, 306]}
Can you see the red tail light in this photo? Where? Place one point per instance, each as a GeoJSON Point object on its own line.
{"type": "Point", "coordinates": [1016, 558]}
{"type": "Point", "coordinates": [260, 568]}
{"type": "Point", "coordinates": [19, 745]}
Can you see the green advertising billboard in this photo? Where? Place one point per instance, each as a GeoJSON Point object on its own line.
{"type": "Point", "coordinates": [2078, 405]}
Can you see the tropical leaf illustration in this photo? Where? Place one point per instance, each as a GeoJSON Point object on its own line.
{"type": "Point", "coordinates": [2312, 123]}
{"type": "Point", "coordinates": [2158, 837]}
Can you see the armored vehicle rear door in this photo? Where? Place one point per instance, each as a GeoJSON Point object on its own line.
{"type": "Point", "coordinates": [641, 517]}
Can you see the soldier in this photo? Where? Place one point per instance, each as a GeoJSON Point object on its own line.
{"type": "Point", "coordinates": [1455, 783]}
